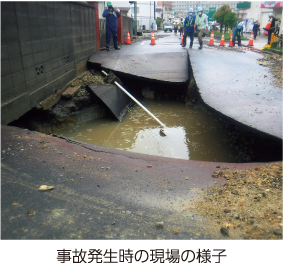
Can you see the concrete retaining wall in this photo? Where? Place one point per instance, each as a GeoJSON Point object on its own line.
{"type": "Point", "coordinates": [44, 45]}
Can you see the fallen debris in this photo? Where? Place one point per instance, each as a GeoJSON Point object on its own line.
{"type": "Point", "coordinates": [45, 188]}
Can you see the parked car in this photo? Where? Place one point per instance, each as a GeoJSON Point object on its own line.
{"type": "Point", "coordinates": [168, 26]}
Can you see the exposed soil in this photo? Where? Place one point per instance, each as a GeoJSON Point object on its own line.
{"type": "Point", "coordinates": [274, 62]}
{"type": "Point", "coordinates": [56, 113]}
{"type": "Point", "coordinates": [248, 205]}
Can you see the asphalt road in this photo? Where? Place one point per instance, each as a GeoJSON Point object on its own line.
{"type": "Point", "coordinates": [99, 193]}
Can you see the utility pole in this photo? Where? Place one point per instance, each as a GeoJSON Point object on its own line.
{"type": "Point", "coordinates": [136, 22]}
{"type": "Point", "coordinates": [154, 9]}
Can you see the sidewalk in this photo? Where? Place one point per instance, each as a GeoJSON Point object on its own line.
{"type": "Point", "coordinates": [259, 42]}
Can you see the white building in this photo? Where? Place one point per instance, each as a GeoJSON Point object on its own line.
{"type": "Point", "coordinates": [277, 10]}
{"type": "Point", "coordinates": [256, 10]}
{"type": "Point", "coordinates": [180, 8]}
{"type": "Point", "coordinates": [252, 10]}
{"type": "Point", "coordinates": [145, 12]}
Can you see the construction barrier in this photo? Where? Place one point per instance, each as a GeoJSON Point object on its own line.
{"type": "Point", "coordinates": [268, 26]}
{"type": "Point", "coordinates": [222, 41]}
{"type": "Point", "coordinates": [251, 41]}
{"type": "Point", "coordinates": [152, 39]}
{"type": "Point", "coordinates": [211, 41]}
{"type": "Point", "coordinates": [231, 40]}
{"type": "Point", "coordinates": [273, 37]}
{"type": "Point", "coordinates": [128, 41]}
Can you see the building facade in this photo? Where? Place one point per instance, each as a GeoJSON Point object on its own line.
{"type": "Point", "coordinates": [145, 12]}
{"type": "Point", "coordinates": [180, 8]}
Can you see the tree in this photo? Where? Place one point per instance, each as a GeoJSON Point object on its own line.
{"type": "Point", "coordinates": [230, 19]}
{"type": "Point", "coordinates": [220, 14]}
{"type": "Point", "coordinates": [158, 20]}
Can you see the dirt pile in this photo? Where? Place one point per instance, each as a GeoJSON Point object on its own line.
{"type": "Point", "coordinates": [248, 205]}
{"type": "Point", "coordinates": [274, 62]}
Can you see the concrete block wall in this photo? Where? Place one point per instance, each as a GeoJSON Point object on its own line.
{"type": "Point", "coordinates": [44, 45]}
{"type": "Point", "coordinates": [127, 26]}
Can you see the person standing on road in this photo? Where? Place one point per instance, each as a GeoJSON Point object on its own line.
{"type": "Point", "coordinates": [238, 31]}
{"type": "Point", "coordinates": [272, 27]}
{"type": "Point", "coordinates": [255, 29]}
{"type": "Point", "coordinates": [201, 23]}
{"type": "Point", "coordinates": [176, 28]}
{"type": "Point", "coordinates": [189, 28]}
{"type": "Point", "coordinates": [111, 15]}
{"type": "Point", "coordinates": [181, 26]}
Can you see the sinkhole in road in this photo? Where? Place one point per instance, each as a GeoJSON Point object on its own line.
{"type": "Point", "coordinates": [194, 130]}
{"type": "Point", "coordinates": [193, 133]}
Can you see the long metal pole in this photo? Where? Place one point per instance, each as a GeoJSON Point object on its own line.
{"type": "Point", "coordinates": [136, 19]}
{"type": "Point", "coordinates": [137, 102]}
{"type": "Point", "coordinates": [154, 9]}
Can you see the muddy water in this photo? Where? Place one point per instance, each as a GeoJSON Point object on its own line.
{"type": "Point", "coordinates": [192, 132]}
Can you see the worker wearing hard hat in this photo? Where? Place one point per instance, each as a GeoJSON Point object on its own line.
{"type": "Point", "coordinates": [189, 28]}
{"type": "Point", "coordinates": [238, 31]}
{"type": "Point", "coordinates": [111, 15]}
{"type": "Point", "coordinates": [272, 19]}
{"type": "Point", "coordinates": [181, 27]}
{"type": "Point", "coordinates": [201, 23]}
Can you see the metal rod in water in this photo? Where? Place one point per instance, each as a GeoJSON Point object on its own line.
{"type": "Point", "coordinates": [144, 108]}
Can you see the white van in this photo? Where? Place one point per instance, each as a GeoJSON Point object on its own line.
{"type": "Point", "coordinates": [168, 26]}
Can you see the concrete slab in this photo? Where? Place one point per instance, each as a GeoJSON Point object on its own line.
{"type": "Point", "coordinates": [164, 62]}
{"type": "Point", "coordinates": [114, 98]}
{"type": "Point", "coordinates": [234, 84]}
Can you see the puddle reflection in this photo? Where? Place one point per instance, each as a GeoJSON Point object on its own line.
{"type": "Point", "coordinates": [192, 133]}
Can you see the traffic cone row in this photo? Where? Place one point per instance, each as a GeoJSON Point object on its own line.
{"type": "Point", "coordinates": [251, 41]}
{"type": "Point", "coordinates": [211, 41]}
{"type": "Point", "coordinates": [152, 39]}
{"type": "Point", "coordinates": [128, 41]}
{"type": "Point", "coordinates": [222, 41]}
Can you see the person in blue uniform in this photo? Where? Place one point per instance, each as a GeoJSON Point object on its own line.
{"type": "Point", "coordinates": [111, 15]}
{"type": "Point", "coordinates": [189, 28]}
{"type": "Point", "coordinates": [238, 31]}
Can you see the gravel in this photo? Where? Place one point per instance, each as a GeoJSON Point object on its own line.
{"type": "Point", "coordinates": [249, 203]}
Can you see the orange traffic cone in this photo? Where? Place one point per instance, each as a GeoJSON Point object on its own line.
{"type": "Point", "coordinates": [128, 41]}
{"type": "Point", "coordinates": [152, 39]}
{"type": "Point", "coordinates": [222, 41]}
{"type": "Point", "coordinates": [251, 42]}
{"type": "Point", "coordinates": [211, 41]}
{"type": "Point", "coordinates": [182, 41]}
{"type": "Point", "coordinates": [231, 42]}
{"type": "Point", "coordinates": [268, 25]}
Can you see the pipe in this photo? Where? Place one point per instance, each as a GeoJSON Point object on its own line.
{"type": "Point", "coordinates": [137, 102]}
